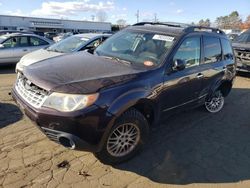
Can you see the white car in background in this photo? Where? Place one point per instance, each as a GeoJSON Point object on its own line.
{"type": "Point", "coordinates": [14, 46]}
{"type": "Point", "coordinates": [62, 36]}
{"type": "Point", "coordinates": [81, 42]}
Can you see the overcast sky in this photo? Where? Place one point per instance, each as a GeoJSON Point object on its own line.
{"type": "Point", "coordinates": [167, 10]}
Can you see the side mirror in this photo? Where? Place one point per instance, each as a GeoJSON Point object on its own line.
{"type": "Point", "coordinates": [179, 65]}
{"type": "Point", "coordinates": [90, 49]}
{"type": "Point", "coordinates": [1, 46]}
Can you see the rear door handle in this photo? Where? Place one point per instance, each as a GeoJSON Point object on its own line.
{"type": "Point", "coordinates": [199, 76]}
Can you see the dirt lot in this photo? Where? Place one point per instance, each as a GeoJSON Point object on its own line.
{"type": "Point", "coordinates": [194, 149]}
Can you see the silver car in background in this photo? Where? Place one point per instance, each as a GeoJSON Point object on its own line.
{"type": "Point", "coordinates": [80, 42]}
{"type": "Point", "coordinates": [62, 36]}
{"type": "Point", "coordinates": [14, 46]}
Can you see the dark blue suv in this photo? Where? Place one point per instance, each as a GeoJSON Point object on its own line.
{"type": "Point", "coordinates": [107, 102]}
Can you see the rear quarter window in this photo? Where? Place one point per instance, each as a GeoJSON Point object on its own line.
{"type": "Point", "coordinates": [34, 41]}
{"type": "Point", "coordinates": [227, 49]}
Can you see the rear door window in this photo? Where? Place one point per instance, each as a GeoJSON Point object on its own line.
{"type": "Point", "coordinates": [22, 41]}
{"type": "Point", "coordinates": [212, 49]}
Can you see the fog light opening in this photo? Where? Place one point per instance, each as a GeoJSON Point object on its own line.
{"type": "Point", "coordinates": [66, 142]}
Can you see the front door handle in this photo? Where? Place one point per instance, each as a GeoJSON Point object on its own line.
{"type": "Point", "coordinates": [25, 50]}
{"type": "Point", "coordinates": [199, 76]}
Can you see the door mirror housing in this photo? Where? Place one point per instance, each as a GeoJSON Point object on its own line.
{"type": "Point", "coordinates": [179, 65]}
{"type": "Point", "coordinates": [1, 46]}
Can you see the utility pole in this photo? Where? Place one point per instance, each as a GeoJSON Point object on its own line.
{"type": "Point", "coordinates": [155, 17]}
{"type": "Point", "coordinates": [137, 16]}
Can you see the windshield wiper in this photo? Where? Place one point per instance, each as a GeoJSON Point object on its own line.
{"type": "Point", "coordinates": [118, 59]}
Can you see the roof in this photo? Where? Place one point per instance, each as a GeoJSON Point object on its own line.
{"type": "Point", "coordinates": [175, 29]}
{"type": "Point", "coordinates": [92, 35]}
{"type": "Point", "coordinates": [159, 29]}
{"type": "Point", "coordinates": [247, 31]}
{"type": "Point", "coordinates": [25, 34]}
{"type": "Point", "coordinates": [19, 34]}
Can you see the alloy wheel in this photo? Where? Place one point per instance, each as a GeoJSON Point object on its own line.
{"type": "Point", "coordinates": [123, 140]}
{"type": "Point", "coordinates": [215, 103]}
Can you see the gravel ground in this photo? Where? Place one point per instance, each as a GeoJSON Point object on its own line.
{"type": "Point", "coordinates": [192, 149]}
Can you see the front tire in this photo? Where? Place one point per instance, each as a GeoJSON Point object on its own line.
{"type": "Point", "coordinates": [125, 139]}
{"type": "Point", "coordinates": [215, 103]}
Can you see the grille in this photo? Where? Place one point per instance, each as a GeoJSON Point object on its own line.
{"type": "Point", "coordinates": [242, 56]}
{"type": "Point", "coordinates": [32, 94]}
{"type": "Point", "coordinates": [52, 135]}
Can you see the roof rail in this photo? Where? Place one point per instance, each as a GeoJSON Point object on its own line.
{"type": "Point", "coordinates": [169, 24]}
{"type": "Point", "coordinates": [201, 28]}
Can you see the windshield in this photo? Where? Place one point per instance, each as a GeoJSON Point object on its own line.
{"type": "Point", "coordinates": [2, 38]}
{"type": "Point", "coordinates": [68, 45]}
{"type": "Point", "coordinates": [244, 37]}
{"type": "Point", "coordinates": [136, 47]}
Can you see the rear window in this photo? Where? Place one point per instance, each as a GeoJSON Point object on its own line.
{"type": "Point", "coordinates": [212, 49]}
{"type": "Point", "coordinates": [227, 49]}
{"type": "Point", "coordinates": [244, 37]}
{"type": "Point", "coordinates": [34, 41]}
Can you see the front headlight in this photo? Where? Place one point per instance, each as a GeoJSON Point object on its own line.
{"type": "Point", "coordinates": [69, 102]}
{"type": "Point", "coordinates": [19, 66]}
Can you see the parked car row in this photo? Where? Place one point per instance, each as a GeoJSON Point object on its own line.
{"type": "Point", "coordinates": [105, 98]}
{"type": "Point", "coordinates": [55, 36]}
{"type": "Point", "coordinates": [16, 45]}
{"type": "Point", "coordinates": [75, 43]}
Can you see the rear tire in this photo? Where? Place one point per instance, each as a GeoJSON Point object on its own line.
{"type": "Point", "coordinates": [125, 139]}
{"type": "Point", "coordinates": [215, 102]}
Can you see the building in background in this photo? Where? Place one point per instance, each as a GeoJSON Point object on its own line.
{"type": "Point", "coordinates": [51, 25]}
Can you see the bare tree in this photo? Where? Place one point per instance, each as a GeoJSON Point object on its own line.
{"type": "Point", "coordinates": [101, 16]}
{"type": "Point", "coordinates": [204, 23]}
{"type": "Point", "coordinates": [201, 22]}
{"type": "Point", "coordinates": [246, 24]}
{"type": "Point", "coordinates": [121, 22]}
{"type": "Point", "coordinates": [248, 20]}
{"type": "Point", "coordinates": [231, 21]}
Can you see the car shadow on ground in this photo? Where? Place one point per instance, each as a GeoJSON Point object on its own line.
{"type": "Point", "coordinates": [7, 68]}
{"type": "Point", "coordinates": [243, 74]}
{"type": "Point", "coordinates": [198, 147]}
{"type": "Point", "coordinates": [9, 114]}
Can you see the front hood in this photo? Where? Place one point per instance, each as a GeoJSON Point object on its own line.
{"type": "Point", "coordinates": [241, 46]}
{"type": "Point", "coordinates": [37, 56]}
{"type": "Point", "coordinates": [79, 72]}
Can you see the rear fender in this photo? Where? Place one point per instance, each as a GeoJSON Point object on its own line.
{"type": "Point", "coordinates": [217, 85]}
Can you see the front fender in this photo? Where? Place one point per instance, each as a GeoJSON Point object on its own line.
{"type": "Point", "coordinates": [122, 104]}
{"type": "Point", "coordinates": [127, 100]}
